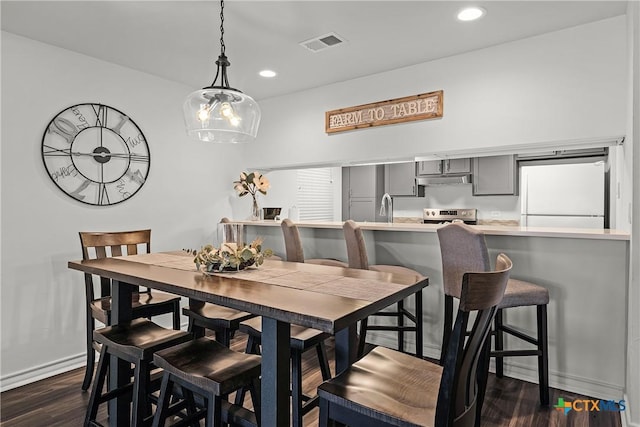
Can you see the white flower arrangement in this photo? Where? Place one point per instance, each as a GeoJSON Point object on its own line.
{"type": "Point", "coordinates": [251, 183]}
{"type": "Point", "coordinates": [230, 257]}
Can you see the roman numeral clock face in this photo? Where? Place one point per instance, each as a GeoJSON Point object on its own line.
{"type": "Point", "coordinates": [95, 154]}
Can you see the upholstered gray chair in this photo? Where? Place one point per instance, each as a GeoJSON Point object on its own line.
{"type": "Point", "coordinates": [293, 247]}
{"type": "Point", "coordinates": [464, 249]}
{"type": "Point", "coordinates": [357, 254]}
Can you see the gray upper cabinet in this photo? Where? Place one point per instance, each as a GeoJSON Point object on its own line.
{"type": "Point", "coordinates": [430, 167]}
{"type": "Point", "coordinates": [439, 167]}
{"type": "Point", "coordinates": [495, 175]}
{"type": "Point", "coordinates": [401, 179]}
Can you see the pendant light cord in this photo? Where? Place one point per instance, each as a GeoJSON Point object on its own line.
{"type": "Point", "coordinates": [222, 46]}
{"type": "Point", "coordinates": [222, 62]}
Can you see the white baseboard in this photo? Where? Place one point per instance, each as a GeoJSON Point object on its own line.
{"type": "Point", "coordinates": [41, 372]}
{"type": "Point", "coordinates": [46, 370]}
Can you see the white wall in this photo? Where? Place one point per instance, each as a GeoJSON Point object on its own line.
{"type": "Point", "coordinates": [189, 188]}
{"type": "Point", "coordinates": [566, 85]}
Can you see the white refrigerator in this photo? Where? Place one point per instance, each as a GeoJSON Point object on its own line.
{"type": "Point", "coordinates": [563, 195]}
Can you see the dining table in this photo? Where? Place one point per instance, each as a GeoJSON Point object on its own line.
{"type": "Point", "coordinates": [330, 299]}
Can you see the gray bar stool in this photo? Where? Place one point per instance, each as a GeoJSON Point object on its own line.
{"type": "Point", "coordinates": [293, 247]}
{"type": "Point", "coordinates": [464, 249]}
{"type": "Point", "coordinates": [357, 253]}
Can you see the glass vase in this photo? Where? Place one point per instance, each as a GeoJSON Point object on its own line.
{"type": "Point", "coordinates": [256, 212]}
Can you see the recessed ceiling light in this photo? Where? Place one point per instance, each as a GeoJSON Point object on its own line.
{"type": "Point", "coordinates": [267, 73]}
{"type": "Point", "coordinates": [471, 13]}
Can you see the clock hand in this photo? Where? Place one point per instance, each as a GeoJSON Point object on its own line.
{"type": "Point", "coordinates": [121, 155]}
{"type": "Point", "coordinates": [130, 156]}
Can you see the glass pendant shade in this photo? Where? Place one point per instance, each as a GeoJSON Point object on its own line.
{"type": "Point", "coordinates": [217, 114]}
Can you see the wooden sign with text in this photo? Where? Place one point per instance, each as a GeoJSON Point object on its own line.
{"type": "Point", "coordinates": [410, 108]}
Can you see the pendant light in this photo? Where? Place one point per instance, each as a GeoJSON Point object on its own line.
{"type": "Point", "coordinates": [219, 113]}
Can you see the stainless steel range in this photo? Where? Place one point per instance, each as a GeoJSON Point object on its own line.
{"type": "Point", "coordinates": [443, 216]}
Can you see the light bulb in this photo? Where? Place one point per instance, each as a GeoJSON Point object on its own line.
{"type": "Point", "coordinates": [234, 120]}
{"type": "Point", "coordinates": [203, 113]}
{"type": "Point", "coordinates": [226, 110]}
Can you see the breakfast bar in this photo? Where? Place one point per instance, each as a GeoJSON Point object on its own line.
{"type": "Point", "coordinates": [585, 271]}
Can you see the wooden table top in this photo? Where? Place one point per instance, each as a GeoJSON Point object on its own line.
{"type": "Point", "coordinates": [317, 296]}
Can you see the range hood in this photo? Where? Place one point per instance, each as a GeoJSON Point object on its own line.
{"type": "Point", "coordinates": [443, 180]}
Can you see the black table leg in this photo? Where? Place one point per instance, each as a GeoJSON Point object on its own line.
{"type": "Point", "coordinates": [119, 370]}
{"type": "Point", "coordinates": [275, 373]}
{"type": "Point", "coordinates": [419, 325]}
{"type": "Point", "coordinates": [346, 348]}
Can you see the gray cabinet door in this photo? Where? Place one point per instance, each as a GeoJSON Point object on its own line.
{"type": "Point", "coordinates": [495, 175]}
{"type": "Point", "coordinates": [430, 167]}
{"type": "Point", "coordinates": [362, 209]}
{"type": "Point", "coordinates": [401, 179]}
{"type": "Point", "coordinates": [362, 181]}
{"type": "Point", "coordinates": [457, 166]}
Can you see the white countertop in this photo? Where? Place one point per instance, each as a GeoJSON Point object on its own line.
{"type": "Point", "coordinates": [495, 230]}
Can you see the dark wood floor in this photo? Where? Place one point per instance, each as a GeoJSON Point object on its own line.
{"type": "Point", "coordinates": [59, 401]}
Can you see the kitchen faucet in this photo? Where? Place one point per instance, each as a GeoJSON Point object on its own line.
{"type": "Point", "coordinates": [386, 199]}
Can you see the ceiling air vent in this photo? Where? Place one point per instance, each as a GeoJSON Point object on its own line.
{"type": "Point", "coordinates": [323, 42]}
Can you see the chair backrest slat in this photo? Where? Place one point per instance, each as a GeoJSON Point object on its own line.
{"type": "Point", "coordinates": [117, 250]}
{"type": "Point", "coordinates": [481, 292]}
{"type": "Point", "coordinates": [356, 248]}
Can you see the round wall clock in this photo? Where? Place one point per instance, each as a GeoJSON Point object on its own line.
{"type": "Point", "coordinates": [95, 154]}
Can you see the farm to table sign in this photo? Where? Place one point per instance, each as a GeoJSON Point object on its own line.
{"type": "Point", "coordinates": [410, 108]}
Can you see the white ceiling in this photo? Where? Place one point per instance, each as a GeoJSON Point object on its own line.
{"type": "Point", "coordinates": [179, 40]}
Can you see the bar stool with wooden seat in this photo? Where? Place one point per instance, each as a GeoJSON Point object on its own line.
{"type": "Point", "coordinates": [212, 371]}
{"type": "Point", "coordinates": [223, 321]}
{"type": "Point", "coordinates": [134, 342]}
{"type": "Point", "coordinates": [357, 254]}
{"type": "Point", "coordinates": [463, 249]}
{"type": "Point", "coordinates": [302, 340]}
{"type": "Point", "coordinates": [145, 304]}
{"type": "Point", "coordinates": [294, 250]}
{"type": "Point", "coordinates": [389, 388]}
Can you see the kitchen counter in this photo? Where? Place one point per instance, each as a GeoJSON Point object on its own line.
{"type": "Point", "coordinates": [586, 272]}
{"type": "Point", "coordinates": [492, 230]}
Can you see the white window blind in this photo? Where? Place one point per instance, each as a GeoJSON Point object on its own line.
{"type": "Point", "coordinates": [315, 194]}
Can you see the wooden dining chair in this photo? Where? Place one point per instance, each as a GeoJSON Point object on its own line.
{"type": "Point", "coordinates": [463, 249]}
{"type": "Point", "coordinates": [357, 255]}
{"type": "Point", "coordinates": [146, 303]}
{"type": "Point", "coordinates": [389, 388]}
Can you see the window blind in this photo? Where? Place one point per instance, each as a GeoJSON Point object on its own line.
{"type": "Point", "coordinates": [315, 194]}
